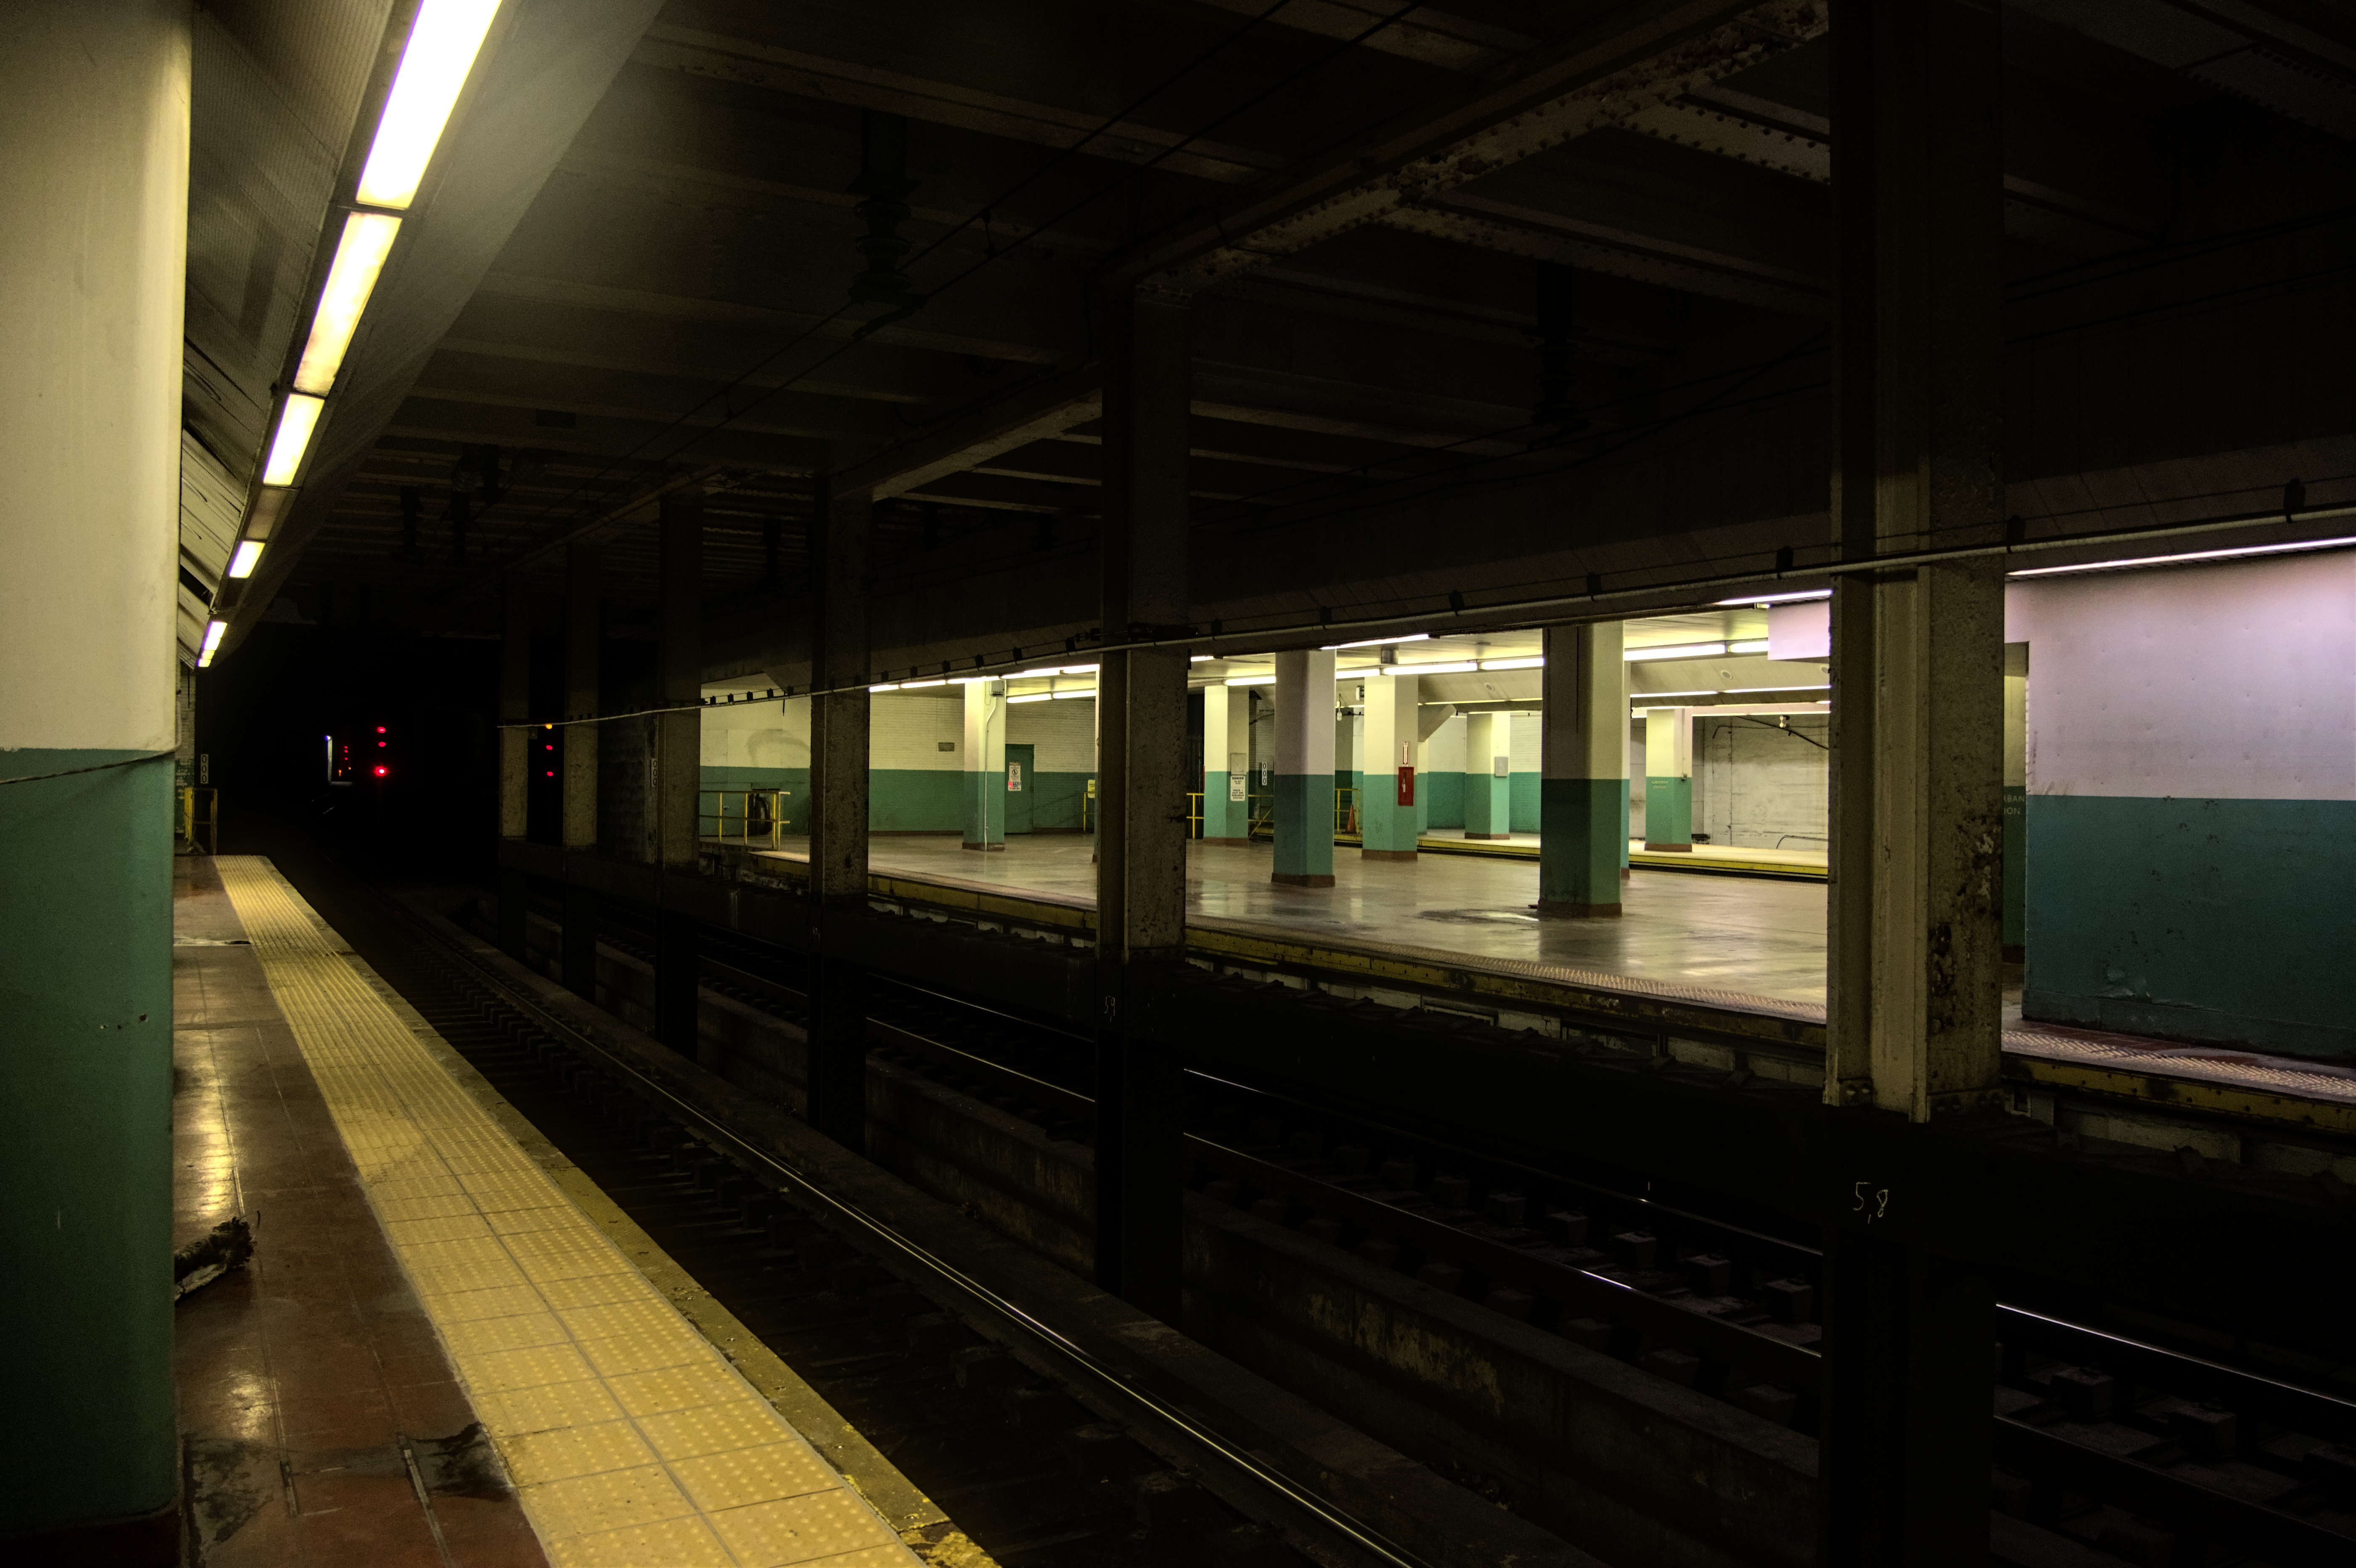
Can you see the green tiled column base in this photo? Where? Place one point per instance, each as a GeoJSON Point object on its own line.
{"type": "Point", "coordinates": [985, 810]}
{"type": "Point", "coordinates": [1304, 830]}
{"type": "Point", "coordinates": [86, 1117]}
{"type": "Point", "coordinates": [1579, 840]}
{"type": "Point", "coordinates": [1668, 814]}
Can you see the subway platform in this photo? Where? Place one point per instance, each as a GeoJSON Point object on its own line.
{"type": "Point", "coordinates": [1746, 947]}
{"type": "Point", "coordinates": [449, 1347]}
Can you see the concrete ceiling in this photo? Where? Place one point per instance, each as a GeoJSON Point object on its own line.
{"type": "Point", "coordinates": [640, 280]}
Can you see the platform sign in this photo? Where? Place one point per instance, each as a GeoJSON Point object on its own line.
{"type": "Point", "coordinates": [1236, 785]}
{"type": "Point", "coordinates": [1013, 778]}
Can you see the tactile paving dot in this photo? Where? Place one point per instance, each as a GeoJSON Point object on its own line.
{"type": "Point", "coordinates": [501, 1369]}
{"type": "Point", "coordinates": [799, 1530]}
{"type": "Point", "coordinates": [742, 1475]}
{"type": "Point", "coordinates": [520, 1331]}
{"type": "Point", "coordinates": [544, 1409]}
{"type": "Point", "coordinates": [465, 1306]}
{"type": "Point", "coordinates": [619, 1355]}
{"type": "Point", "coordinates": [686, 1543]}
{"type": "Point", "coordinates": [681, 1434]}
{"type": "Point", "coordinates": [675, 1388]}
{"type": "Point", "coordinates": [533, 1457]}
{"type": "Point", "coordinates": [618, 1318]}
{"type": "Point", "coordinates": [591, 1505]}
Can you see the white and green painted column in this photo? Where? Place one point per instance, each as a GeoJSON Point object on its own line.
{"type": "Point", "coordinates": [1583, 772]}
{"type": "Point", "coordinates": [1227, 764]}
{"type": "Point", "coordinates": [983, 764]}
{"type": "Point", "coordinates": [1668, 779]}
{"type": "Point", "coordinates": [95, 102]}
{"type": "Point", "coordinates": [1386, 793]}
{"type": "Point", "coordinates": [2016, 799]}
{"type": "Point", "coordinates": [1488, 775]}
{"type": "Point", "coordinates": [1304, 770]}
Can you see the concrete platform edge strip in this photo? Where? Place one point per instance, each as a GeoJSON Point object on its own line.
{"type": "Point", "coordinates": [630, 1437]}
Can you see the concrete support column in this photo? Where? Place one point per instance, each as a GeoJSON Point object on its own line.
{"type": "Point", "coordinates": [1304, 770]}
{"type": "Point", "coordinates": [94, 112]}
{"type": "Point", "coordinates": [679, 761]}
{"type": "Point", "coordinates": [1583, 772]}
{"type": "Point", "coordinates": [1914, 924]}
{"type": "Point", "coordinates": [1386, 791]}
{"type": "Point", "coordinates": [842, 539]}
{"type": "Point", "coordinates": [1141, 770]}
{"type": "Point", "coordinates": [1488, 775]}
{"type": "Point", "coordinates": [983, 764]}
{"type": "Point", "coordinates": [583, 607]}
{"type": "Point", "coordinates": [515, 763]}
{"type": "Point", "coordinates": [1668, 779]}
{"type": "Point", "coordinates": [1227, 764]}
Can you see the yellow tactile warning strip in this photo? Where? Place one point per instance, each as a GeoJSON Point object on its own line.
{"type": "Point", "coordinates": [631, 1440]}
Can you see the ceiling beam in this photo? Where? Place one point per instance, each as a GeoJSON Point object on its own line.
{"type": "Point", "coordinates": [1044, 409]}
{"type": "Point", "coordinates": [1643, 56]}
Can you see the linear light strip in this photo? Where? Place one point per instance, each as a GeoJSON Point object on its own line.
{"type": "Point", "coordinates": [441, 50]}
{"type": "Point", "coordinates": [360, 257]}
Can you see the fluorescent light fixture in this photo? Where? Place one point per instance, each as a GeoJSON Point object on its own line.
{"type": "Point", "coordinates": [1077, 669]}
{"type": "Point", "coordinates": [1357, 671]}
{"type": "Point", "coordinates": [888, 685]}
{"type": "Point", "coordinates": [1513, 664]}
{"type": "Point", "coordinates": [1675, 651]}
{"type": "Point", "coordinates": [1034, 674]}
{"type": "Point", "coordinates": [1034, 697]}
{"type": "Point", "coordinates": [1200, 659]}
{"type": "Point", "coordinates": [1648, 696]}
{"type": "Point", "coordinates": [1735, 691]}
{"type": "Point", "coordinates": [1251, 680]}
{"type": "Point", "coordinates": [1780, 598]}
{"type": "Point", "coordinates": [297, 421]}
{"type": "Point", "coordinates": [1759, 646]}
{"type": "Point", "coordinates": [204, 661]}
{"type": "Point", "coordinates": [441, 50]}
{"type": "Point", "coordinates": [249, 555]}
{"type": "Point", "coordinates": [1464, 668]}
{"type": "Point", "coordinates": [1060, 696]}
{"type": "Point", "coordinates": [2193, 555]}
{"type": "Point", "coordinates": [1378, 642]}
{"type": "Point", "coordinates": [913, 684]}
{"type": "Point", "coordinates": [359, 257]}
{"type": "Point", "coordinates": [213, 632]}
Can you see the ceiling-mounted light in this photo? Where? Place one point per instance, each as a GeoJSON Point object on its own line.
{"type": "Point", "coordinates": [887, 686]}
{"type": "Point", "coordinates": [297, 421]}
{"type": "Point", "coordinates": [1378, 642]}
{"type": "Point", "coordinates": [1466, 667]}
{"type": "Point", "coordinates": [249, 555]}
{"type": "Point", "coordinates": [1676, 651]}
{"type": "Point", "coordinates": [1764, 599]}
{"type": "Point", "coordinates": [1034, 697]}
{"type": "Point", "coordinates": [1644, 697]}
{"type": "Point", "coordinates": [441, 50]}
{"type": "Point", "coordinates": [1251, 680]}
{"type": "Point", "coordinates": [2233, 554]}
{"type": "Point", "coordinates": [1487, 665]}
{"type": "Point", "coordinates": [1060, 696]}
{"type": "Point", "coordinates": [351, 277]}
{"type": "Point", "coordinates": [1758, 646]}
{"type": "Point", "coordinates": [913, 684]}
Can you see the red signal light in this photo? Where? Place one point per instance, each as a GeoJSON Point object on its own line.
{"type": "Point", "coordinates": [382, 772]}
{"type": "Point", "coordinates": [379, 728]}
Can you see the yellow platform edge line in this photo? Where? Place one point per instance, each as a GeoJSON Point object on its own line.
{"type": "Point", "coordinates": [633, 1439]}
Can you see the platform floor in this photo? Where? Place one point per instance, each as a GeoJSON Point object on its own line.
{"type": "Point", "coordinates": [1757, 938]}
{"type": "Point", "coordinates": [419, 1271]}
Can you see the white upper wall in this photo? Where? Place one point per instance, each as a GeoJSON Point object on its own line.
{"type": "Point", "coordinates": [772, 734]}
{"type": "Point", "coordinates": [905, 729]}
{"type": "Point", "coordinates": [2229, 681]}
{"type": "Point", "coordinates": [1065, 734]}
{"type": "Point", "coordinates": [1444, 753]}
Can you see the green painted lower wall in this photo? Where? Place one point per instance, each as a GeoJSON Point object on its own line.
{"type": "Point", "coordinates": [1057, 800]}
{"type": "Point", "coordinates": [1442, 797]}
{"type": "Point", "coordinates": [984, 807]}
{"type": "Point", "coordinates": [1581, 840]}
{"type": "Point", "coordinates": [1669, 811]}
{"type": "Point", "coordinates": [795, 781]}
{"type": "Point", "coordinates": [2225, 921]}
{"type": "Point", "coordinates": [1521, 795]}
{"type": "Point", "coordinates": [2016, 862]}
{"type": "Point", "coordinates": [86, 1119]}
{"type": "Point", "coordinates": [1222, 818]}
{"type": "Point", "coordinates": [1304, 826]}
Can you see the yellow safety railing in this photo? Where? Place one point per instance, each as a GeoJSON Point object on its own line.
{"type": "Point", "coordinates": [1089, 808]}
{"type": "Point", "coordinates": [1345, 810]}
{"type": "Point", "coordinates": [200, 809]}
{"type": "Point", "coordinates": [759, 816]}
{"type": "Point", "coordinates": [1195, 815]}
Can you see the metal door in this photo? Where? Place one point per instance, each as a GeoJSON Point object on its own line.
{"type": "Point", "coordinates": [1020, 788]}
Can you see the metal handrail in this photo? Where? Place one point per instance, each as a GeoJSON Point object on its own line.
{"type": "Point", "coordinates": [767, 822]}
{"type": "Point", "coordinates": [209, 821]}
